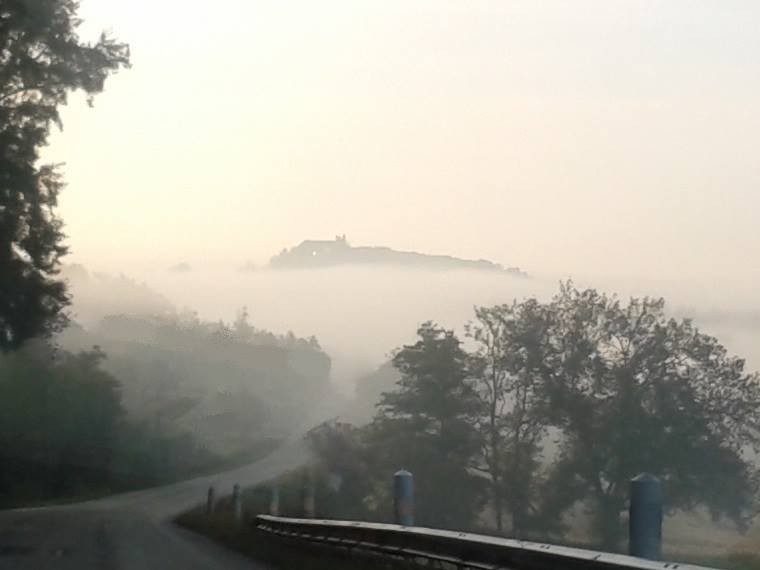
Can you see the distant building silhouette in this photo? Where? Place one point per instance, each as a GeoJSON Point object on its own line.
{"type": "Point", "coordinates": [331, 253]}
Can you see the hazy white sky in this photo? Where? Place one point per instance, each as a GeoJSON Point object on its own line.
{"type": "Point", "coordinates": [569, 138]}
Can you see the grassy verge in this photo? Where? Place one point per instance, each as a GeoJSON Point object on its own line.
{"type": "Point", "coordinates": [283, 553]}
{"type": "Point", "coordinates": [273, 551]}
{"type": "Point", "coordinates": [730, 561]}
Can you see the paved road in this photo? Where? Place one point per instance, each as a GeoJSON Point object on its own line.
{"type": "Point", "coordinates": [133, 530]}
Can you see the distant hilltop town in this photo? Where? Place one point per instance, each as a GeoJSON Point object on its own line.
{"type": "Point", "coordinates": [331, 253]}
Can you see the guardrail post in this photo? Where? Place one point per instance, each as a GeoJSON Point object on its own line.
{"type": "Point", "coordinates": [645, 522]}
{"type": "Point", "coordinates": [274, 501]}
{"type": "Point", "coordinates": [210, 502]}
{"type": "Point", "coordinates": [308, 495]}
{"type": "Point", "coordinates": [237, 503]}
{"type": "Point", "coordinates": [403, 497]}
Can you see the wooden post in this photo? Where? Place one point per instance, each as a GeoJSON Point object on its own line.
{"type": "Point", "coordinates": [210, 501]}
{"type": "Point", "coordinates": [237, 503]}
{"type": "Point", "coordinates": [274, 502]}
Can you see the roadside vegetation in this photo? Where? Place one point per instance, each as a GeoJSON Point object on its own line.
{"type": "Point", "coordinates": [78, 424]}
{"type": "Point", "coordinates": [548, 409]}
{"type": "Point", "coordinates": [534, 425]}
{"type": "Point", "coordinates": [243, 537]}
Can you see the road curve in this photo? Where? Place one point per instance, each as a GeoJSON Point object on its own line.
{"type": "Point", "coordinates": [132, 531]}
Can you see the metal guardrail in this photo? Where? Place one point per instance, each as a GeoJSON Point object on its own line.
{"type": "Point", "coordinates": [460, 549]}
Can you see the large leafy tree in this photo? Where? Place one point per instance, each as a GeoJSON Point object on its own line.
{"type": "Point", "coordinates": [511, 344]}
{"type": "Point", "coordinates": [42, 60]}
{"type": "Point", "coordinates": [59, 420]}
{"type": "Point", "coordinates": [427, 426]}
{"type": "Point", "coordinates": [635, 391]}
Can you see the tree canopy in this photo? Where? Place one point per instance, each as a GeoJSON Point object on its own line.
{"type": "Point", "coordinates": [42, 60]}
{"type": "Point", "coordinates": [633, 391]}
{"type": "Point", "coordinates": [426, 426]}
{"type": "Point", "coordinates": [510, 341]}
{"type": "Point", "coordinates": [558, 405]}
{"type": "Point", "coordinates": [59, 417]}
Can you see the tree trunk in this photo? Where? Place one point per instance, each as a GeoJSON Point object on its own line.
{"type": "Point", "coordinates": [495, 465]}
{"type": "Point", "coordinates": [607, 529]}
{"type": "Point", "coordinates": [498, 508]}
{"type": "Point", "coordinates": [519, 495]}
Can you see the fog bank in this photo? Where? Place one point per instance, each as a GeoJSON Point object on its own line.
{"type": "Point", "coordinates": [359, 314]}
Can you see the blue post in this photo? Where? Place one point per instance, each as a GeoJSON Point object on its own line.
{"type": "Point", "coordinates": [645, 522]}
{"type": "Point", "coordinates": [403, 498]}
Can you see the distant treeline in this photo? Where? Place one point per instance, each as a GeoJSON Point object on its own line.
{"type": "Point", "coordinates": [557, 406]}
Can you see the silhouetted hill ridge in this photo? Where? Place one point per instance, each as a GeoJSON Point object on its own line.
{"type": "Point", "coordinates": [311, 254]}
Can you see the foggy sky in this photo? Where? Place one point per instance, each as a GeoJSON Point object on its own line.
{"type": "Point", "coordinates": [610, 140]}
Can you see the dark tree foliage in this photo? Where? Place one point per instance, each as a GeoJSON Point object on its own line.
{"type": "Point", "coordinates": [369, 389]}
{"type": "Point", "coordinates": [42, 60]}
{"type": "Point", "coordinates": [635, 391]}
{"type": "Point", "coordinates": [427, 426]}
{"type": "Point", "coordinates": [619, 387]}
{"type": "Point", "coordinates": [59, 418]}
{"type": "Point", "coordinates": [64, 432]}
{"type": "Point", "coordinates": [511, 344]}
{"type": "Point", "coordinates": [344, 473]}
